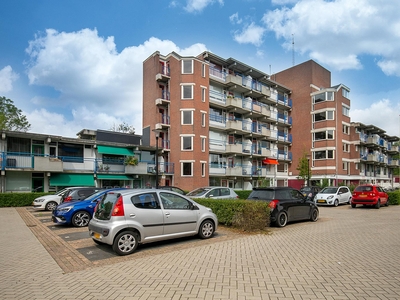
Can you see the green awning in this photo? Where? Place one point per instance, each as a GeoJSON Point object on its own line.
{"type": "Point", "coordinates": [72, 180]}
{"type": "Point", "coordinates": [114, 150]}
{"type": "Point", "coordinates": [114, 176]}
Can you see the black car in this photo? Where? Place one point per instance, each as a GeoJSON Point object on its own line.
{"type": "Point", "coordinates": [286, 204]}
{"type": "Point", "coordinates": [310, 191]}
{"type": "Point", "coordinates": [78, 193]}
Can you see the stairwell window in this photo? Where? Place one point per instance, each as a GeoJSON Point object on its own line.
{"type": "Point", "coordinates": [187, 66]}
{"type": "Point", "coordinates": [187, 117]}
{"type": "Point", "coordinates": [186, 168]}
{"type": "Point", "coordinates": [187, 91]}
{"type": "Point", "coordinates": [187, 143]}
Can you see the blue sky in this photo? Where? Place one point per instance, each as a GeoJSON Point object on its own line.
{"type": "Point", "coordinates": [70, 65]}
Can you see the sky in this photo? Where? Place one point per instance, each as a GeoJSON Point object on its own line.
{"type": "Point", "coordinates": [77, 64]}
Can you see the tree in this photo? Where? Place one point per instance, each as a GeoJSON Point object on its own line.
{"type": "Point", "coordinates": [11, 118]}
{"type": "Point", "coordinates": [123, 127]}
{"type": "Point", "coordinates": [304, 168]}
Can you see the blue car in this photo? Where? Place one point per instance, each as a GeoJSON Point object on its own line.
{"type": "Point", "coordinates": [78, 213]}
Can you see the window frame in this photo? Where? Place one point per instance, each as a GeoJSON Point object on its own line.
{"type": "Point", "coordinates": [183, 87]}
{"type": "Point", "coordinates": [184, 140]}
{"type": "Point", "coordinates": [185, 66]}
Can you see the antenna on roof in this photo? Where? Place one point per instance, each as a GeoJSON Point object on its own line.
{"type": "Point", "coordinates": [293, 49]}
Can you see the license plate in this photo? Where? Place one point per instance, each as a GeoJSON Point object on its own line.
{"type": "Point", "coordinates": [321, 201]}
{"type": "Point", "coordinates": [96, 235]}
{"type": "Point", "coordinates": [363, 195]}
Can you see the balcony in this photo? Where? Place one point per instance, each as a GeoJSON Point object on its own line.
{"type": "Point", "coordinates": [164, 74]}
{"type": "Point", "coordinates": [164, 99]}
{"type": "Point", "coordinates": [47, 164]}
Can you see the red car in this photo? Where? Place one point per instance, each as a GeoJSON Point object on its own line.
{"type": "Point", "coordinates": [369, 194]}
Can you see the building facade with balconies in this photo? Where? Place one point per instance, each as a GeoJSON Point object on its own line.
{"type": "Point", "coordinates": [42, 162]}
{"type": "Point", "coordinates": [228, 123]}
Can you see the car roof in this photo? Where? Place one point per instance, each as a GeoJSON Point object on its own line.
{"type": "Point", "coordinates": [274, 188]}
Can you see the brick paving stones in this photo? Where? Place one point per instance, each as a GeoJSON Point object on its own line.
{"type": "Point", "coordinates": [347, 254]}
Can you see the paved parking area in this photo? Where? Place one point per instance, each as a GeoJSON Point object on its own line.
{"type": "Point", "coordinates": [347, 254]}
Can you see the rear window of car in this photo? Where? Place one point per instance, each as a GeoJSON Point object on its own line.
{"type": "Point", "coordinates": [363, 189]}
{"type": "Point", "coordinates": [105, 206]}
{"type": "Point", "coordinates": [262, 194]}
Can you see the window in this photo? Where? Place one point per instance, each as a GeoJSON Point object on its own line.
{"type": "Point", "coordinates": [345, 110]}
{"type": "Point", "coordinates": [172, 201]}
{"type": "Point", "coordinates": [203, 144]}
{"type": "Point", "coordinates": [326, 96]}
{"type": "Point", "coordinates": [187, 143]}
{"type": "Point", "coordinates": [203, 119]}
{"type": "Point", "coordinates": [323, 135]}
{"type": "Point", "coordinates": [344, 165]}
{"type": "Point", "coordinates": [346, 147]}
{"type": "Point", "coordinates": [203, 94]}
{"type": "Point", "coordinates": [187, 117]}
{"type": "Point", "coordinates": [20, 145]}
{"type": "Point", "coordinates": [146, 201]}
{"type": "Point", "coordinates": [203, 169]}
{"type": "Point", "coordinates": [187, 168]}
{"type": "Point", "coordinates": [187, 66]}
{"type": "Point", "coordinates": [70, 152]}
{"type": "Point", "coordinates": [325, 154]}
{"type": "Point", "coordinates": [346, 129]}
{"type": "Point", "coordinates": [345, 93]}
{"type": "Point", "coordinates": [203, 70]}
{"type": "Point", "coordinates": [322, 116]}
{"type": "Point", "coordinates": [187, 91]}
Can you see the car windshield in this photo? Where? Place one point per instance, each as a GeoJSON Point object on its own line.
{"type": "Point", "coordinates": [62, 192]}
{"type": "Point", "coordinates": [198, 192]}
{"type": "Point", "coordinates": [329, 190]}
{"type": "Point", "coordinates": [305, 189]}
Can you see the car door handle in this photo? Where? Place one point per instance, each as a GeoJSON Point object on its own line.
{"type": "Point", "coordinates": [167, 213]}
{"type": "Point", "coordinates": [132, 215]}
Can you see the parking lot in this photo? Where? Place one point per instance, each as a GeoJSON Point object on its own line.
{"type": "Point", "coordinates": [347, 254]}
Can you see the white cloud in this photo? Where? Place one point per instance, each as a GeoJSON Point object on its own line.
{"type": "Point", "coordinates": [97, 85]}
{"type": "Point", "coordinates": [383, 114]}
{"type": "Point", "coordinates": [234, 19]}
{"type": "Point", "coordinates": [7, 77]}
{"type": "Point", "coordinates": [337, 32]}
{"type": "Point", "coordinates": [199, 5]}
{"type": "Point", "coordinates": [251, 34]}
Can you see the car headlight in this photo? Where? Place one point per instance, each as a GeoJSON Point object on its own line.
{"type": "Point", "coordinates": [65, 209]}
{"type": "Point", "coordinates": [38, 200]}
{"type": "Point", "coordinates": [330, 197]}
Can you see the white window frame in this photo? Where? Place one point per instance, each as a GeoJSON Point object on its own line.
{"type": "Point", "coordinates": [185, 63]}
{"type": "Point", "coordinates": [187, 85]}
{"type": "Point", "coordinates": [203, 118]}
{"type": "Point", "coordinates": [203, 93]}
{"type": "Point", "coordinates": [203, 168]}
{"type": "Point", "coordinates": [184, 138]}
{"type": "Point", "coordinates": [191, 168]}
{"type": "Point", "coordinates": [203, 143]}
{"type": "Point", "coordinates": [183, 113]}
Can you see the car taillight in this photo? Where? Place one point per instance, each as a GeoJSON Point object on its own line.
{"type": "Point", "coordinates": [118, 210]}
{"type": "Point", "coordinates": [273, 204]}
{"type": "Point", "coordinates": [97, 205]}
{"type": "Point", "coordinates": [67, 199]}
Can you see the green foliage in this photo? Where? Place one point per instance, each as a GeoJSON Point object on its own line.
{"type": "Point", "coordinates": [324, 183]}
{"type": "Point", "coordinates": [241, 214]}
{"type": "Point", "coordinates": [11, 118]}
{"type": "Point", "coordinates": [394, 198]}
{"type": "Point", "coordinates": [243, 194]}
{"type": "Point", "coordinates": [18, 199]}
{"type": "Point", "coordinates": [131, 161]}
{"type": "Point", "coordinates": [304, 168]}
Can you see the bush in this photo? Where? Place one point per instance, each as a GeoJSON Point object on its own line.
{"type": "Point", "coordinates": [394, 198]}
{"type": "Point", "coordinates": [241, 214]}
{"type": "Point", "coordinates": [18, 199]}
{"type": "Point", "coordinates": [243, 194]}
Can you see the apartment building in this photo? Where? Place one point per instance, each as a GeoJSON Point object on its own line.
{"type": "Point", "coordinates": [338, 150]}
{"type": "Point", "coordinates": [219, 121]}
{"type": "Point", "coordinates": [41, 162]}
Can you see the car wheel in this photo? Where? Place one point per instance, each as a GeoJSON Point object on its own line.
{"type": "Point", "coordinates": [126, 243]}
{"type": "Point", "coordinates": [51, 205]}
{"type": "Point", "coordinates": [81, 219]}
{"type": "Point", "coordinates": [387, 202]}
{"type": "Point", "coordinates": [206, 229]}
{"type": "Point", "coordinates": [314, 215]}
{"type": "Point", "coordinates": [336, 203]}
{"type": "Point", "coordinates": [281, 220]}
{"type": "Point", "coordinates": [378, 204]}
{"type": "Point", "coordinates": [353, 205]}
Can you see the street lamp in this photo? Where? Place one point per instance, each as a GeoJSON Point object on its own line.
{"type": "Point", "coordinates": [308, 169]}
{"type": "Point", "coordinates": [157, 133]}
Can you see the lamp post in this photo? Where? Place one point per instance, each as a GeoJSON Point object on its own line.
{"type": "Point", "coordinates": [157, 133]}
{"type": "Point", "coordinates": [308, 169]}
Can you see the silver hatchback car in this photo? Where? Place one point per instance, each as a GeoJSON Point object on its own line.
{"type": "Point", "coordinates": [127, 218]}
